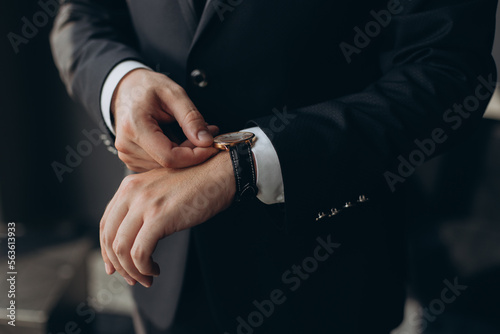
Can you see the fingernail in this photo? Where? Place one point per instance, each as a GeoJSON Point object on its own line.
{"type": "Point", "coordinates": [204, 135]}
{"type": "Point", "coordinates": [108, 268]}
{"type": "Point", "coordinates": [130, 281]}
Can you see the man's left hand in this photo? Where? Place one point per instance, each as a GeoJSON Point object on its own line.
{"type": "Point", "coordinates": [150, 206]}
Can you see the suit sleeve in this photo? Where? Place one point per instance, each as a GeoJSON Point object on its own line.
{"type": "Point", "coordinates": [435, 57]}
{"type": "Point", "coordinates": [88, 40]}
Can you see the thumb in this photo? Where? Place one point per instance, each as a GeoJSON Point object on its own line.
{"type": "Point", "coordinates": [189, 119]}
{"type": "Point", "coordinates": [198, 128]}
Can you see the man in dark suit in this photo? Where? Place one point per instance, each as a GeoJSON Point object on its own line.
{"type": "Point", "coordinates": [345, 99]}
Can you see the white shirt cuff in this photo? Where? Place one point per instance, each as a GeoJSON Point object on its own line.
{"type": "Point", "coordinates": [269, 178]}
{"type": "Point", "coordinates": [112, 81]}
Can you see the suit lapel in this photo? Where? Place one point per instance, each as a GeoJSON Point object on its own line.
{"type": "Point", "coordinates": [188, 12]}
{"type": "Point", "coordinates": [207, 16]}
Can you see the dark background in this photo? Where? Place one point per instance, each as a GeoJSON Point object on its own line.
{"type": "Point", "coordinates": [38, 121]}
{"type": "Point", "coordinates": [453, 202]}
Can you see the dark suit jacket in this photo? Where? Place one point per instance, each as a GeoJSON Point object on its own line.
{"type": "Point", "coordinates": [342, 89]}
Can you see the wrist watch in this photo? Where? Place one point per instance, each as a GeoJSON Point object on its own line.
{"type": "Point", "coordinates": [225, 141]}
{"type": "Point", "coordinates": [239, 145]}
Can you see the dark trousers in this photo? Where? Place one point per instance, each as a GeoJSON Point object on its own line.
{"type": "Point", "coordinates": [193, 313]}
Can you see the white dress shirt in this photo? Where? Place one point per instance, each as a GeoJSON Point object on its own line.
{"type": "Point", "coordinates": [269, 178]}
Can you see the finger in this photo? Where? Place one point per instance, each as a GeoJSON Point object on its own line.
{"type": "Point", "coordinates": [110, 269]}
{"type": "Point", "coordinates": [133, 153]}
{"type": "Point", "coordinates": [214, 130]}
{"type": "Point", "coordinates": [186, 156]}
{"type": "Point", "coordinates": [176, 156]}
{"type": "Point", "coordinates": [113, 220]}
{"type": "Point", "coordinates": [107, 263]}
{"type": "Point", "coordinates": [138, 169]}
{"type": "Point", "coordinates": [187, 115]}
{"type": "Point", "coordinates": [137, 159]}
{"type": "Point", "coordinates": [187, 143]}
{"type": "Point", "coordinates": [143, 136]}
{"type": "Point", "coordinates": [120, 269]}
{"type": "Point", "coordinates": [122, 246]}
{"type": "Point", "coordinates": [154, 142]}
{"type": "Point", "coordinates": [144, 247]}
{"type": "Point", "coordinates": [139, 165]}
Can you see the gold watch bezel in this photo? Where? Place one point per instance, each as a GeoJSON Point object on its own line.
{"type": "Point", "coordinates": [223, 143]}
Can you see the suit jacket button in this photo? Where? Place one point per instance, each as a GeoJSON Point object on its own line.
{"type": "Point", "coordinates": [362, 199]}
{"type": "Point", "coordinates": [199, 78]}
{"type": "Point", "coordinates": [333, 212]}
{"type": "Point", "coordinates": [321, 215]}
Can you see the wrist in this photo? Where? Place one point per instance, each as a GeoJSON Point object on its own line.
{"type": "Point", "coordinates": [239, 145]}
{"type": "Point", "coordinates": [223, 168]}
{"type": "Point", "coordinates": [123, 86]}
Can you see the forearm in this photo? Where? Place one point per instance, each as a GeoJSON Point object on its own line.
{"type": "Point", "coordinates": [339, 149]}
{"type": "Point", "coordinates": [88, 39]}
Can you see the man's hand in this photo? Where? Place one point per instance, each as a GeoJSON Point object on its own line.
{"type": "Point", "coordinates": [150, 206]}
{"type": "Point", "coordinates": [142, 101]}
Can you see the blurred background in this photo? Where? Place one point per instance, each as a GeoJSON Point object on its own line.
{"type": "Point", "coordinates": [56, 176]}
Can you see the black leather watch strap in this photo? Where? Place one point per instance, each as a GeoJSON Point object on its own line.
{"type": "Point", "coordinates": [244, 171]}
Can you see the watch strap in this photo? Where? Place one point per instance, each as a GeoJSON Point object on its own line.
{"type": "Point", "coordinates": [244, 171]}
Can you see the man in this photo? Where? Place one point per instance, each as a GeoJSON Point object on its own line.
{"type": "Point", "coordinates": [344, 99]}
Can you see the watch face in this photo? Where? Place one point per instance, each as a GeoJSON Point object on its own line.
{"type": "Point", "coordinates": [233, 138]}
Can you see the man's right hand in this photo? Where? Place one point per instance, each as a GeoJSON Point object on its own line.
{"type": "Point", "coordinates": [142, 101]}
